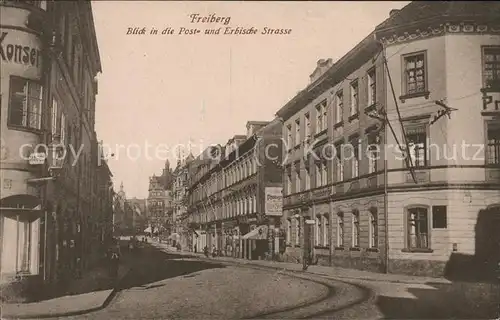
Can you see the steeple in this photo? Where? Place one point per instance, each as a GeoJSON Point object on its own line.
{"type": "Point", "coordinates": [121, 193]}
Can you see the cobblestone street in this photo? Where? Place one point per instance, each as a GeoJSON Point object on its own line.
{"type": "Point", "coordinates": [163, 285]}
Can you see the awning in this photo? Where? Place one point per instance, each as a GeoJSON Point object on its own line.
{"type": "Point", "coordinates": [148, 230]}
{"type": "Point", "coordinates": [258, 233]}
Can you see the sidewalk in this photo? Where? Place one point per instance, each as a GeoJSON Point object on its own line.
{"type": "Point", "coordinates": [399, 296]}
{"type": "Point", "coordinates": [92, 292]}
{"type": "Point", "coordinates": [335, 272]}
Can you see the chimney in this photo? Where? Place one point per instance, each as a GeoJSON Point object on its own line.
{"type": "Point", "coordinates": [393, 12]}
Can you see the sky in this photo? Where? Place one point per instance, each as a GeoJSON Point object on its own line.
{"type": "Point", "coordinates": [159, 93]}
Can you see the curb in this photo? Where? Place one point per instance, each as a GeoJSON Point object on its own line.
{"type": "Point", "coordinates": [106, 302]}
{"type": "Point", "coordinates": [339, 277]}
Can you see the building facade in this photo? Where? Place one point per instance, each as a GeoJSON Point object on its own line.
{"type": "Point", "coordinates": [102, 219]}
{"type": "Point", "coordinates": [362, 184]}
{"type": "Point", "coordinates": [198, 209]}
{"type": "Point", "coordinates": [49, 63]}
{"type": "Point", "coordinates": [233, 199]}
{"type": "Point", "coordinates": [180, 221]}
{"type": "Point", "coordinates": [159, 206]}
{"type": "Point", "coordinates": [446, 221]}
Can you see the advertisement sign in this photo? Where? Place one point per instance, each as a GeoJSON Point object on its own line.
{"type": "Point", "coordinates": [273, 201]}
{"type": "Point", "coordinates": [14, 50]}
{"type": "Point", "coordinates": [20, 53]}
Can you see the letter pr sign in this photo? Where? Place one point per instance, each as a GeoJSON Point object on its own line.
{"type": "Point", "coordinates": [274, 201]}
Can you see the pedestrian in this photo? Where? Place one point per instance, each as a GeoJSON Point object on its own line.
{"type": "Point", "coordinates": [214, 251]}
{"type": "Point", "coordinates": [195, 251]}
{"type": "Point", "coordinates": [114, 254]}
{"type": "Point", "coordinates": [205, 251]}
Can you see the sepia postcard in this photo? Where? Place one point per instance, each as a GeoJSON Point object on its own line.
{"type": "Point", "coordinates": [249, 159]}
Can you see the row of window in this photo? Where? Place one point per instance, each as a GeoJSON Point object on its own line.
{"type": "Point", "coordinates": [321, 111]}
{"type": "Point", "coordinates": [317, 176]}
{"type": "Point", "coordinates": [419, 152]}
{"type": "Point", "coordinates": [415, 70]}
{"type": "Point", "coordinates": [322, 233]}
{"type": "Point", "coordinates": [234, 173]}
{"type": "Point", "coordinates": [25, 111]}
{"type": "Point", "coordinates": [229, 209]}
{"type": "Point", "coordinates": [414, 82]}
{"type": "Point", "coordinates": [418, 228]}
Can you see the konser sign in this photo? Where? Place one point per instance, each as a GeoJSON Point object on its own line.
{"type": "Point", "coordinates": [273, 201]}
{"type": "Point", "coordinates": [12, 50]}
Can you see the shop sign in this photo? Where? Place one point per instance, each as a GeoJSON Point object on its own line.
{"type": "Point", "coordinates": [14, 52]}
{"type": "Point", "coordinates": [273, 201]}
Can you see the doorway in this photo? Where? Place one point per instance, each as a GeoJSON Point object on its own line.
{"type": "Point", "coordinates": [308, 239]}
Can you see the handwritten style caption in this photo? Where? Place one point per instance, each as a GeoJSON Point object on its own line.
{"type": "Point", "coordinates": [195, 27]}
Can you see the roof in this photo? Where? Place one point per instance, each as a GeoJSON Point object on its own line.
{"type": "Point", "coordinates": [365, 49]}
{"type": "Point", "coordinates": [420, 11]}
{"type": "Point", "coordinates": [263, 123]}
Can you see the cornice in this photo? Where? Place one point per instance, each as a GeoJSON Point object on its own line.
{"type": "Point", "coordinates": [434, 30]}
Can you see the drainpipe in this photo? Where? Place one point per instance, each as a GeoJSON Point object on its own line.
{"type": "Point", "coordinates": [79, 182]}
{"type": "Point", "coordinates": [386, 177]}
{"type": "Point", "coordinates": [46, 135]}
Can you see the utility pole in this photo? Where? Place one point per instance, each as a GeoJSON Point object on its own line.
{"type": "Point", "coordinates": [409, 162]}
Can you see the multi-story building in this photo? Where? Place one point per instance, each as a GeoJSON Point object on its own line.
{"type": "Point", "coordinates": [129, 214]}
{"type": "Point", "coordinates": [119, 213]}
{"type": "Point", "coordinates": [139, 219]}
{"type": "Point", "coordinates": [159, 206]}
{"type": "Point", "coordinates": [49, 63]}
{"type": "Point", "coordinates": [356, 197]}
{"type": "Point", "coordinates": [239, 197]}
{"type": "Point", "coordinates": [445, 55]}
{"type": "Point", "coordinates": [180, 221]}
{"type": "Point", "coordinates": [103, 218]}
{"type": "Point", "coordinates": [199, 209]}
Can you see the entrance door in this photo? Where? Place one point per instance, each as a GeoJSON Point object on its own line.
{"type": "Point", "coordinates": [308, 239]}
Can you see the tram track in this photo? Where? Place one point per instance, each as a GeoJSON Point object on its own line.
{"type": "Point", "coordinates": [341, 294]}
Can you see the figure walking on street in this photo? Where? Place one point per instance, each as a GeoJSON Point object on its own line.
{"type": "Point", "coordinates": [114, 254]}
